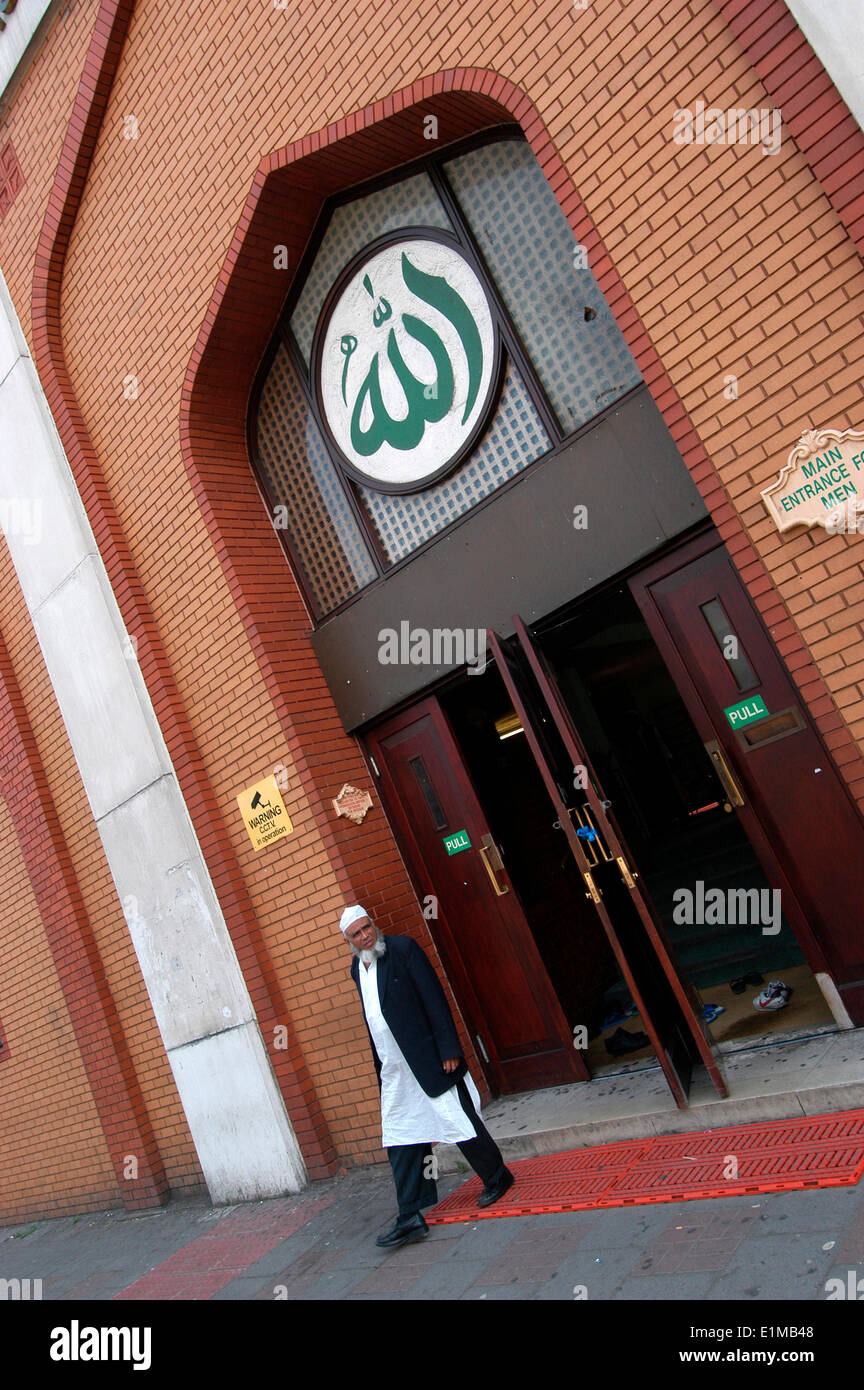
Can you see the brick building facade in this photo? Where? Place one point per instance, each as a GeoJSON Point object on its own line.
{"type": "Point", "coordinates": [155, 653]}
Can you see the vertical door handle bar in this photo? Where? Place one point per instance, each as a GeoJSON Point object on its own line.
{"type": "Point", "coordinates": [489, 847]}
{"type": "Point", "coordinates": [724, 772]}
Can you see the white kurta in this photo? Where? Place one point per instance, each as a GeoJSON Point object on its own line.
{"type": "Point", "coordinates": [408, 1115]}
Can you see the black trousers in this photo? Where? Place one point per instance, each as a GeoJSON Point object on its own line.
{"type": "Point", "coordinates": [413, 1164]}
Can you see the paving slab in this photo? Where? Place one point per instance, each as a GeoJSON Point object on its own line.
{"type": "Point", "coordinates": [320, 1246]}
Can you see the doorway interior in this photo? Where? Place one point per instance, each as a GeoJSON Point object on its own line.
{"type": "Point", "coordinates": [679, 828]}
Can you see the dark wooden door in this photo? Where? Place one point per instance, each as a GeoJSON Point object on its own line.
{"type": "Point", "coordinates": [778, 777]}
{"type": "Point", "coordinates": [480, 930]}
{"type": "Point", "coordinates": [667, 1005]}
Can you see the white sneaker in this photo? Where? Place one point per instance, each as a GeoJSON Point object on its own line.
{"type": "Point", "coordinates": [774, 996]}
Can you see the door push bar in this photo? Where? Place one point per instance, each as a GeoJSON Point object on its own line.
{"type": "Point", "coordinates": [591, 843]}
{"type": "Point", "coordinates": [589, 836]}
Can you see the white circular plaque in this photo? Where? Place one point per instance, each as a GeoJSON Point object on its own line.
{"type": "Point", "coordinates": [406, 361]}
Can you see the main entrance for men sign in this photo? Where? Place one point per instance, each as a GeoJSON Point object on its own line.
{"type": "Point", "coordinates": [823, 478]}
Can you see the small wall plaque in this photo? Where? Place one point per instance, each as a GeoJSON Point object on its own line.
{"type": "Point", "coordinates": [352, 803]}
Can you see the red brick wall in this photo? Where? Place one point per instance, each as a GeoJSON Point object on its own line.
{"type": "Point", "coordinates": [53, 1154]}
{"type": "Point", "coordinates": [717, 260]}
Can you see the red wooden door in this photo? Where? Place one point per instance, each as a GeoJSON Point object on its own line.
{"type": "Point", "coordinates": [482, 934]}
{"type": "Point", "coordinates": [667, 1004]}
{"type": "Point", "coordinates": [777, 774]}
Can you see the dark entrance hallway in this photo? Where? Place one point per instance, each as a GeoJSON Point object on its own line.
{"type": "Point", "coordinates": [679, 829]}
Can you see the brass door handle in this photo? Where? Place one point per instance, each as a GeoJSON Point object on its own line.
{"type": "Point", "coordinates": [724, 772]}
{"type": "Point", "coordinates": [626, 872]}
{"type": "Point", "coordinates": [489, 847]}
{"type": "Point", "coordinates": [593, 891]}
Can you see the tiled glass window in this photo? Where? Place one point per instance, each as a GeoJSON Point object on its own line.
{"type": "Point", "coordinates": [299, 476]}
{"type": "Point", "coordinates": [413, 203]}
{"type": "Point", "coordinates": [568, 329]}
{"type": "Point", "coordinates": [566, 362]}
{"type": "Point", "coordinates": [515, 438]}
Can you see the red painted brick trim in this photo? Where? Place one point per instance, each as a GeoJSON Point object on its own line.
{"type": "Point", "coordinates": [286, 196]}
{"type": "Point", "coordinates": [102, 1044]}
{"type": "Point", "coordinates": [825, 131]}
{"type": "Point", "coordinates": [100, 67]}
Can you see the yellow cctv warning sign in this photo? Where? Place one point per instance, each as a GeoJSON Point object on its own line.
{"type": "Point", "coordinates": [264, 812]}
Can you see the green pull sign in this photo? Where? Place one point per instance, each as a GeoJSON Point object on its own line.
{"type": "Point", "coordinates": [748, 712]}
{"type": "Point", "coordinates": [456, 842]}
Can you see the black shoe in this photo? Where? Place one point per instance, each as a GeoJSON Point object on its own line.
{"type": "Point", "coordinates": [751, 978]}
{"type": "Point", "coordinates": [622, 1042]}
{"type": "Point", "coordinates": [403, 1231]}
{"type": "Point", "coordinates": [492, 1193]}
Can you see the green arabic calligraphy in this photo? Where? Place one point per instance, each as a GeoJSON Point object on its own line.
{"type": "Point", "coordinates": [426, 403]}
{"type": "Point", "coordinates": [347, 344]}
{"type": "Point", "coordinates": [380, 315]}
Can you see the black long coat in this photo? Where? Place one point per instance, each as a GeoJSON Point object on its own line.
{"type": "Point", "coordinates": [417, 1013]}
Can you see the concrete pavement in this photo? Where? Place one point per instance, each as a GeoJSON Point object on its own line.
{"type": "Point", "coordinates": [320, 1245]}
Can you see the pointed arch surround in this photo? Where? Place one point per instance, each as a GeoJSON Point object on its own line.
{"type": "Point", "coordinates": [286, 197]}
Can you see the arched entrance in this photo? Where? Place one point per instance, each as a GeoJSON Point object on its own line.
{"type": "Point", "coordinates": [213, 398]}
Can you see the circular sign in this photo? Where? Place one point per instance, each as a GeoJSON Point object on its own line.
{"type": "Point", "coordinates": [407, 360]}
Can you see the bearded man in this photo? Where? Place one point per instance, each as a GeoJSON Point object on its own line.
{"type": "Point", "coordinates": [427, 1096]}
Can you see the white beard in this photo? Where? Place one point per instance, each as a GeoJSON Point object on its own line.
{"type": "Point", "coordinates": [374, 953]}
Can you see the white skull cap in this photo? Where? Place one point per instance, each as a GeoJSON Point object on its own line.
{"type": "Point", "coordinates": [350, 916]}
